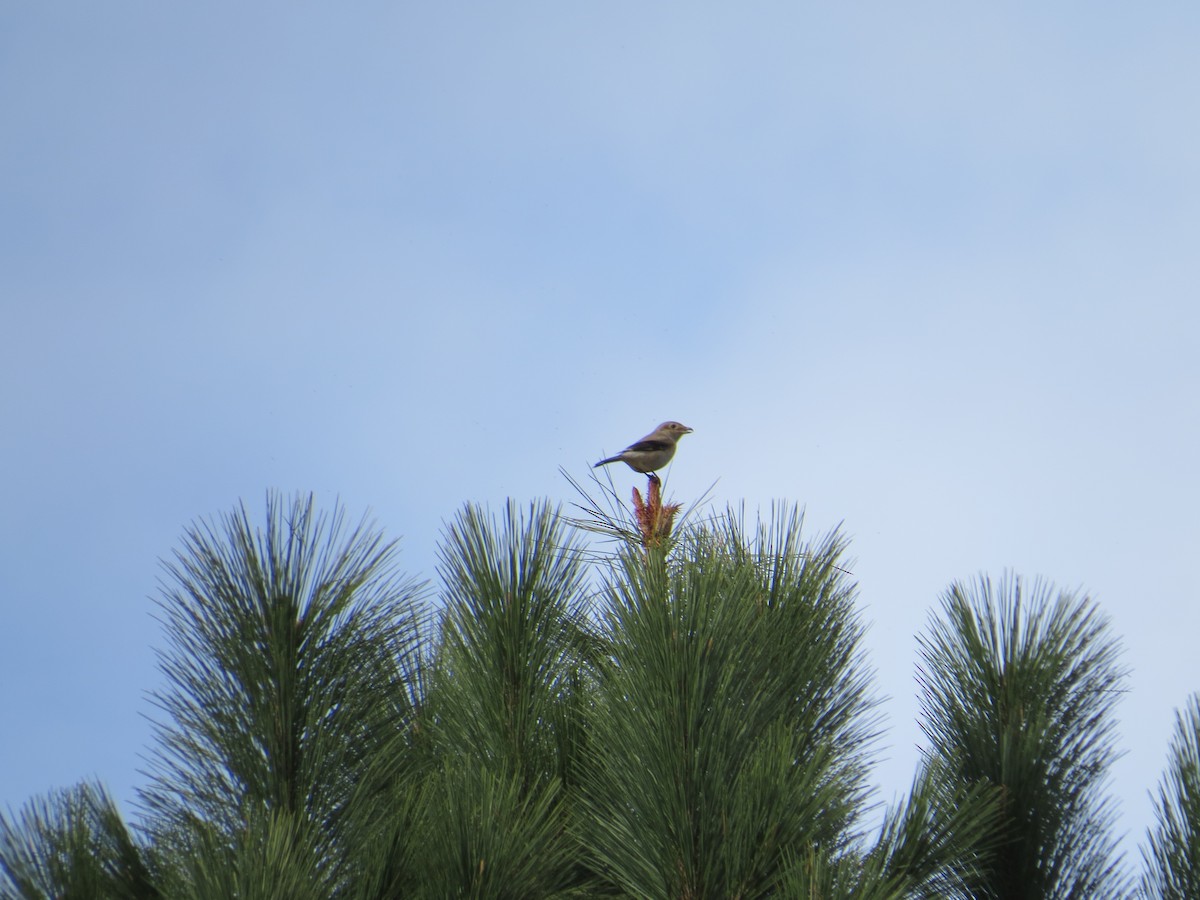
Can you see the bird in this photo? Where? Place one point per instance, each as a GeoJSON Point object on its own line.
{"type": "Point", "coordinates": [653, 451]}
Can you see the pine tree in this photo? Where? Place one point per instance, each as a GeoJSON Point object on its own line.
{"type": "Point", "coordinates": [1172, 854]}
{"type": "Point", "coordinates": [1018, 691]}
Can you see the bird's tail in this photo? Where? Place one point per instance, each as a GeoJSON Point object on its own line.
{"type": "Point", "coordinates": [605, 462]}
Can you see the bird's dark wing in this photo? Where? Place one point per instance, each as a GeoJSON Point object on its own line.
{"type": "Point", "coordinates": [650, 446]}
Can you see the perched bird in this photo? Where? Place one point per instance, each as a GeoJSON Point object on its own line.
{"type": "Point", "coordinates": [653, 451]}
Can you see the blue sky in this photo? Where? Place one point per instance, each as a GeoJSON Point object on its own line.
{"type": "Point", "coordinates": [929, 270]}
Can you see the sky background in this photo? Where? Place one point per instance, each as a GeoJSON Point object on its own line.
{"type": "Point", "coordinates": [928, 269]}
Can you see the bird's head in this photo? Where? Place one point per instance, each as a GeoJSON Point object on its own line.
{"type": "Point", "coordinates": [675, 428]}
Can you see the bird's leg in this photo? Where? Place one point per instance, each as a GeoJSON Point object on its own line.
{"type": "Point", "coordinates": [654, 477]}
